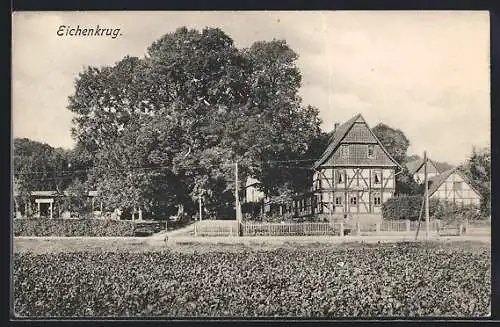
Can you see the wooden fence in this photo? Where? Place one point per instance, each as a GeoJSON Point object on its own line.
{"type": "Point", "coordinates": [306, 229]}
{"type": "Point", "coordinates": [386, 227]}
{"type": "Point", "coordinates": [216, 228]}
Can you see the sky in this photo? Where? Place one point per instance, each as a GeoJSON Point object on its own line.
{"type": "Point", "coordinates": [425, 73]}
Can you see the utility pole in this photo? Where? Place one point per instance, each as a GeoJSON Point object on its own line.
{"type": "Point", "coordinates": [426, 184]}
{"type": "Point", "coordinates": [199, 206]}
{"type": "Point", "coordinates": [238, 211]}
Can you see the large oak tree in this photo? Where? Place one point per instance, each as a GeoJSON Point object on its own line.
{"type": "Point", "coordinates": [165, 128]}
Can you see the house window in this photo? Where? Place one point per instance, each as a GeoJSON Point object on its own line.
{"type": "Point", "coordinates": [376, 200]}
{"type": "Point", "coordinates": [353, 201]}
{"type": "Point", "coordinates": [344, 150]}
{"type": "Point", "coordinates": [340, 177]}
{"type": "Point", "coordinates": [376, 178]}
{"type": "Point", "coordinates": [370, 151]}
{"type": "Point", "coordinates": [338, 200]}
{"type": "Point", "coordinates": [457, 186]}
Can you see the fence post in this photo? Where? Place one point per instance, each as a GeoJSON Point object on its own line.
{"type": "Point", "coordinates": [407, 225]}
{"type": "Point", "coordinates": [377, 228]}
{"type": "Point", "coordinates": [195, 229]}
{"type": "Point", "coordinates": [341, 228]}
{"type": "Point", "coordinates": [358, 229]}
{"type": "Point", "coordinates": [460, 230]}
{"type": "Point", "coordinates": [466, 225]}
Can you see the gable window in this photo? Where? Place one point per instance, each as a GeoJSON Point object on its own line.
{"type": "Point", "coordinates": [457, 186]}
{"type": "Point", "coordinates": [376, 177]}
{"type": "Point", "coordinates": [376, 200]}
{"type": "Point", "coordinates": [344, 150]}
{"type": "Point", "coordinates": [340, 177]}
{"type": "Point", "coordinates": [338, 200]}
{"type": "Point", "coordinates": [353, 201]}
{"type": "Point", "coordinates": [371, 149]}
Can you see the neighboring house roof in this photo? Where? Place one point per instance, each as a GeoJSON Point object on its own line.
{"type": "Point", "coordinates": [252, 182]}
{"type": "Point", "coordinates": [415, 165]}
{"type": "Point", "coordinates": [436, 181]}
{"type": "Point", "coordinates": [340, 133]}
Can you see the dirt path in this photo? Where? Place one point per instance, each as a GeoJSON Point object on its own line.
{"type": "Point", "coordinates": [179, 242]}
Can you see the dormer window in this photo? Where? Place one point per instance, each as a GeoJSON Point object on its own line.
{"type": "Point", "coordinates": [371, 152]}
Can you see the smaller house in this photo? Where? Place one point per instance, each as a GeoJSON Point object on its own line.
{"type": "Point", "coordinates": [252, 192]}
{"type": "Point", "coordinates": [452, 186]}
{"type": "Point", "coordinates": [45, 206]}
{"type": "Point", "coordinates": [416, 169]}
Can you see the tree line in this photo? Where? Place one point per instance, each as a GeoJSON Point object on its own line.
{"type": "Point", "coordinates": [165, 129]}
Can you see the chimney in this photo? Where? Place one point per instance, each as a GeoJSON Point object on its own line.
{"type": "Point", "coordinates": [335, 127]}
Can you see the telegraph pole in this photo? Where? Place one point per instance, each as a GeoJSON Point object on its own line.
{"type": "Point", "coordinates": [426, 184]}
{"type": "Point", "coordinates": [199, 206]}
{"type": "Point", "coordinates": [238, 213]}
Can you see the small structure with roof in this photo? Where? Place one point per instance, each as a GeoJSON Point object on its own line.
{"type": "Point", "coordinates": [416, 169]}
{"type": "Point", "coordinates": [46, 206]}
{"type": "Point", "coordinates": [452, 186]}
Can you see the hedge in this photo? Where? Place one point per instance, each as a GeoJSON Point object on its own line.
{"type": "Point", "coordinates": [73, 227]}
{"type": "Point", "coordinates": [406, 207]}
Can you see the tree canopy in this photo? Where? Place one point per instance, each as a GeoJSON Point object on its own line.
{"type": "Point", "coordinates": [478, 170]}
{"type": "Point", "coordinates": [174, 122]}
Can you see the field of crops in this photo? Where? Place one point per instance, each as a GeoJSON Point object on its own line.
{"type": "Point", "coordinates": [381, 280]}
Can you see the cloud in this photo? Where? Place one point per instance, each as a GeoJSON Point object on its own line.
{"type": "Point", "coordinates": [426, 73]}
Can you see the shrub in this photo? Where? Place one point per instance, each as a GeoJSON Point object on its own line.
{"type": "Point", "coordinates": [73, 227]}
{"type": "Point", "coordinates": [451, 211]}
{"type": "Point", "coordinates": [406, 207]}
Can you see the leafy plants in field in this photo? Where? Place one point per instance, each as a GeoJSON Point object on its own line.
{"type": "Point", "coordinates": [385, 280]}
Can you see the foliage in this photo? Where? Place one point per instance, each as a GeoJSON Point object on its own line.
{"type": "Point", "coordinates": [406, 184]}
{"type": "Point", "coordinates": [453, 212]}
{"type": "Point", "coordinates": [394, 141]}
{"type": "Point", "coordinates": [72, 227]}
{"type": "Point", "coordinates": [164, 129]}
{"type": "Point", "coordinates": [407, 207]}
{"type": "Point", "coordinates": [478, 170]}
{"type": "Point", "coordinates": [407, 280]}
{"type": "Point", "coordinates": [37, 167]}
{"type": "Point", "coordinates": [251, 209]}
{"type": "Point", "coordinates": [76, 198]}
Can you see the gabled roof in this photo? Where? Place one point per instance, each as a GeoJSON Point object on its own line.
{"type": "Point", "coordinates": [415, 165]}
{"type": "Point", "coordinates": [339, 134]}
{"type": "Point", "coordinates": [438, 180]}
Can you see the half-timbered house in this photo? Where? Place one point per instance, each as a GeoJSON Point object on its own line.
{"type": "Point", "coordinates": [355, 175]}
{"type": "Point", "coordinates": [452, 186]}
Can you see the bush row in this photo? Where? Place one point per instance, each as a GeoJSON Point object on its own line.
{"type": "Point", "coordinates": [409, 206]}
{"type": "Point", "coordinates": [73, 227]}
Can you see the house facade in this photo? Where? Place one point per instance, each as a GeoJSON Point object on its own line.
{"type": "Point", "coordinates": [452, 186]}
{"type": "Point", "coordinates": [252, 191]}
{"type": "Point", "coordinates": [416, 169]}
{"type": "Point", "coordinates": [355, 175]}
